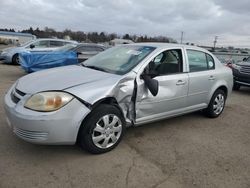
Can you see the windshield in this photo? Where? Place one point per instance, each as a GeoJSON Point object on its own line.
{"type": "Point", "coordinates": [119, 60]}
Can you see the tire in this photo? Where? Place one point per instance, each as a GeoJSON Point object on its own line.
{"type": "Point", "coordinates": [105, 137]}
{"type": "Point", "coordinates": [216, 105]}
{"type": "Point", "coordinates": [236, 87]}
{"type": "Point", "coordinates": [15, 59]}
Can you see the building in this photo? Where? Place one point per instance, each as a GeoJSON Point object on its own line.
{"type": "Point", "coordinates": [15, 37]}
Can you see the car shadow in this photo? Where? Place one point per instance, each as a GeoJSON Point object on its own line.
{"type": "Point", "coordinates": [243, 90]}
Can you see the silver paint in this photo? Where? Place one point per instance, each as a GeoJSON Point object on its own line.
{"type": "Point", "coordinates": [105, 133]}
{"type": "Point", "coordinates": [178, 93]}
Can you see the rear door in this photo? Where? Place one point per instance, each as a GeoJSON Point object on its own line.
{"type": "Point", "coordinates": [201, 77]}
{"type": "Point", "coordinates": [173, 87]}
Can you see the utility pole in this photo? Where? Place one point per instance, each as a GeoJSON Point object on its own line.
{"type": "Point", "coordinates": [182, 33]}
{"type": "Point", "coordinates": [215, 41]}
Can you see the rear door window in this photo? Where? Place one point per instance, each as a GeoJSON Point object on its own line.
{"type": "Point", "coordinates": [199, 61]}
{"type": "Point", "coordinates": [210, 62]}
{"type": "Point", "coordinates": [55, 43]}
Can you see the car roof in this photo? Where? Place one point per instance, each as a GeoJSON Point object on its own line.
{"type": "Point", "coordinates": [39, 39]}
{"type": "Point", "coordinates": [90, 44]}
{"type": "Point", "coordinates": [167, 45]}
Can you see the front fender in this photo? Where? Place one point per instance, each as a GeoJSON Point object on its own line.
{"type": "Point", "coordinates": [121, 90]}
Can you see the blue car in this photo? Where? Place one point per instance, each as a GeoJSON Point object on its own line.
{"type": "Point", "coordinates": [11, 55]}
{"type": "Point", "coordinates": [67, 55]}
{"type": "Point", "coordinates": [36, 61]}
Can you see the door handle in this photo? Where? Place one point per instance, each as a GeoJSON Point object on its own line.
{"type": "Point", "coordinates": [211, 77]}
{"type": "Point", "coordinates": [180, 82]}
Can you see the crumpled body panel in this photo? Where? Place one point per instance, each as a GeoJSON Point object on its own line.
{"type": "Point", "coordinates": [121, 88]}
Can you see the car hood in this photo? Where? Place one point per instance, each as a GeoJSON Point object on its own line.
{"type": "Point", "coordinates": [10, 49]}
{"type": "Point", "coordinates": [62, 78]}
{"type": "Point", "coordinates": [244, 63]}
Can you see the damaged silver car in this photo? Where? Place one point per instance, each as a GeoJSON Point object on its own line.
{"type": "Point", "coordinates": [128, 85]}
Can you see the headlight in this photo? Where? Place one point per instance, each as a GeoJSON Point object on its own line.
{"type": "Point", "coordinates": [48, 101]}
{"type": "Point", "coordinates": [236, 66]}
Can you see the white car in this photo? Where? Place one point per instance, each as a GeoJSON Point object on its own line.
{"type": "Point", "coordinates": [10, 55]}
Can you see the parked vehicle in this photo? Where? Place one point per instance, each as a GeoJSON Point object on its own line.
{"type": "Point", "coordinates": [69, 54]}
{"type": "Point", "coordinates": [86, 50]}
{"type": "Point", "coordinates": [37, 61]}
{"type": "Point", "coordinates": [10, 55]}
{"type": "Point", "coordinates": [128, 85]}
{"type": "Point", "coordinates": [241, 73]}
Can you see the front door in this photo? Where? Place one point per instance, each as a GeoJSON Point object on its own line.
{"type": "Point", "coordinates": [173, 88]}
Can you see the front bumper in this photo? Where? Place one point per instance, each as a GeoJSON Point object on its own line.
{"type": "Point", "coordinates": [241, 78]}
{"type": "Point", "coordinates": [6, 58]}
{"type": "Point", "coordinates": [58, 127]}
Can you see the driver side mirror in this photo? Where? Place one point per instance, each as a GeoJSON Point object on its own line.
{"type": "Point", "coordinates": [32, 46]}
{"type": "Point", "coordinates": [150, 70]}
{"type": "Point", "coordinates": [152, 84]}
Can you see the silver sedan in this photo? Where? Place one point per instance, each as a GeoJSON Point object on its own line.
{"type": "Point", "coordinates": [129, 85]}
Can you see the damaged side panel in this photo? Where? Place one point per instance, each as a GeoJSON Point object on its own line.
{"type": "Point", "coordinates": [169, 98]}
{"type": "Point", "coordinates": [125, 93]}
{"type": "Point", "coordinates": [118, 87]}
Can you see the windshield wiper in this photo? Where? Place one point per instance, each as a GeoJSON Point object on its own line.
{"type": "Point", "coordinates": [94, 67]}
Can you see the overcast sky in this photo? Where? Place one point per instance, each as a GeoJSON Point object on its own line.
{"type": "Point", "coordinates": [201, 20]}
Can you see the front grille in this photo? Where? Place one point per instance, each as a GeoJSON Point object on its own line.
{"type": "Point", "coordinates": [17, 95]}
{"type": "Point", "coordinates": [20, 92]}
{"type": "Point", "coordinates": [31, 135]}
{"type": "Point", "coordinates": [14, 98]}
{"type": "Point", "coordinates": [245, 69]}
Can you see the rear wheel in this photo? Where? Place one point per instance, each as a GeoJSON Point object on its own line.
{"type": "Point", "coordinates": [217, 104]}
{"type": "Point", "coordinates": [15, 59]}
{"type": "Point", "coordinates": [103, 129]}
{"type": "Point", "coordinates": [236, 87]}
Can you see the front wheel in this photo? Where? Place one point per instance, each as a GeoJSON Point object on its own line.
{"type": "Point", "coordinates": [103, 129]}
{"type": "Point", "coordinates": [217, 104]}
{"type": "Point", "coordinates": [15, 59]}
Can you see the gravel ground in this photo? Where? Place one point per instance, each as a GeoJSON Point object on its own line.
{"type": "Point", "coordinates": [187, 151]}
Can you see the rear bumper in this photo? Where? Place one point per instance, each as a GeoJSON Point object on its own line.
{"type": "Point", "coordinates": [58, 127]}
